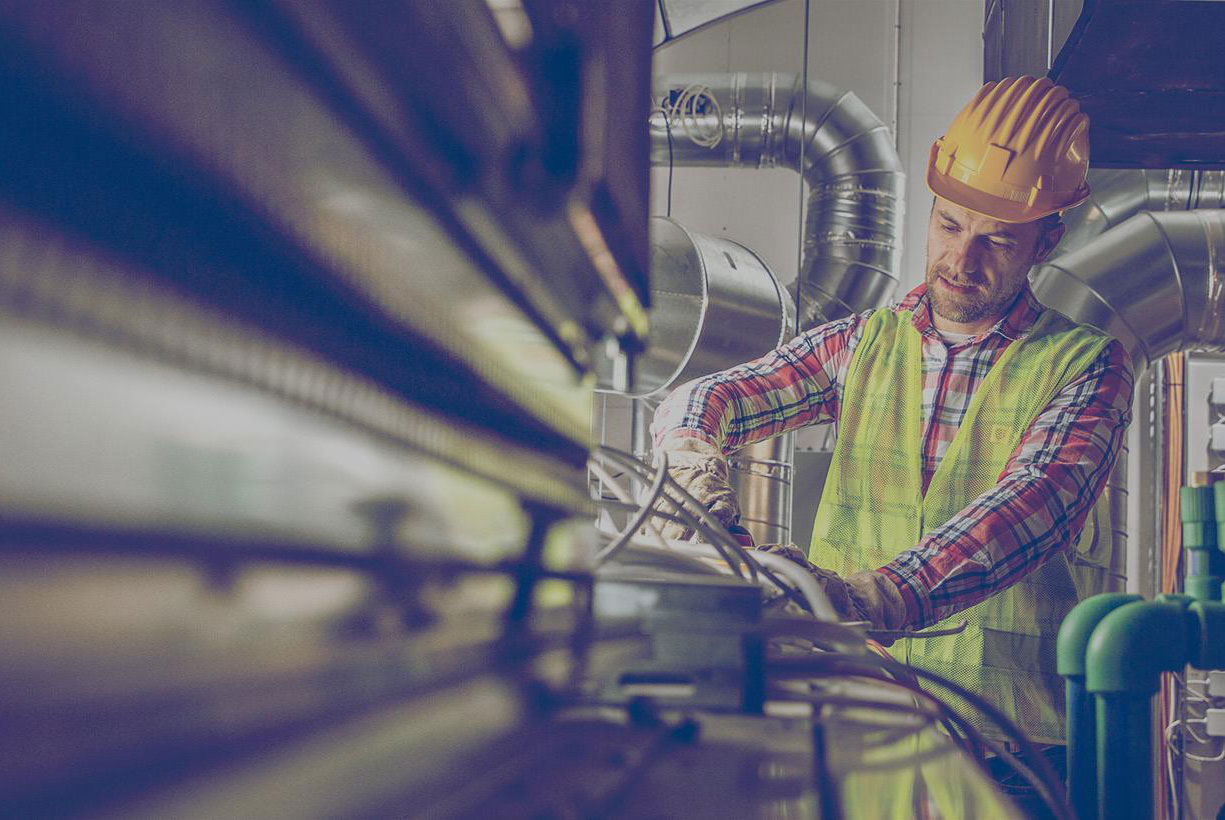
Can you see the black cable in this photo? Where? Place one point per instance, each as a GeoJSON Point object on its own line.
{"type": "Point", "coordinates": [799, 251]}
{"type": "Point", "coordinates": [668, 131]}
{"type": "Point", "coordinates": [1047, 783]}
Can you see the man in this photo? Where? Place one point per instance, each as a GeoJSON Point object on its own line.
{"type": "Point", "coordinates": [976, 428]}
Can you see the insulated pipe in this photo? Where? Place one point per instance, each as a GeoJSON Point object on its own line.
{"type": "Point", "coordinates": [1117, 195]}
{"type": "Point", "coordinates": [1126, 653]}
{"type": "Point", "coordinates": [853, 230]}
{"type": "Point", "coordinates": [1156, 283]}
{"type": "Point", "coordinates": [714, 304]}
{"type": "Point", "coordinates": [762, 475]}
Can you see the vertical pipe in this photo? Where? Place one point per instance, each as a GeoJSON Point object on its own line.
{"type": "Point", "coordinates": [1071, 660]}
{"type": "Point", "coordinates": [1082, 751]}
{"type": "Point", "coordinates": [1124, 752]}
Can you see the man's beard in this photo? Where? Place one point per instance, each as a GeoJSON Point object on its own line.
{"type": "Point", "coordinates": [967, 307]}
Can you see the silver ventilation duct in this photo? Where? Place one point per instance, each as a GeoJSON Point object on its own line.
{"type": "Point", "coordinates": [1119, 195]}
{"type": "Point", "coordinates": [1156, 283]}
{"type": "Point", "coordinates": [714, 304]}
{"type": "Point", "coordinates": [853, 231]}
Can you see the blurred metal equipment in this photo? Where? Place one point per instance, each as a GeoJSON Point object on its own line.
{"type": "Point", "coordinates": [297, 314]}
{"type": "Point", "coordinates": [704, 647]}
{"type": "Point", "coordinates": [853, 230]}
{"type": "Point", "coordinates": [327, 131]}
{"type": "Point", "coordinates": [714, 304]}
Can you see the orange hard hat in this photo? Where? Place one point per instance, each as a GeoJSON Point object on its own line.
{"type": "Point", "coordinates": [1018, 152]}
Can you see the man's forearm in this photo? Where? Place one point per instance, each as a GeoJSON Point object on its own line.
{"type": "Point", "coordinates": [793, 386]}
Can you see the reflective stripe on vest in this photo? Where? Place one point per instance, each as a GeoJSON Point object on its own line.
{"type": "Point", "coordinates": [873, 506]}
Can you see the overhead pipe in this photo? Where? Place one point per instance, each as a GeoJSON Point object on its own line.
{"type": "Point", "coordinates": [853, 229]}
{"type": "Point", "coordinates": [1152, 284]}
{"type": "Point", "coordinates": [1118, 195]}
{"type": "Point", "coordinates": [1156, 283]}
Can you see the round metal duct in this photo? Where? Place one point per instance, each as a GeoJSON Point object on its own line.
{"type": "Point", "coordinates": [714, 304]}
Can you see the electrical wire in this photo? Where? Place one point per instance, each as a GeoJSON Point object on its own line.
{"type": "Point", "coordinates": [668, 129]}
{"type": "Point", "coordinates": [806, 34]}
{"type": "Point", "coordinates": [624, 496]}
{"type": "Point", "coordinates": [703, 522]}
{"type": "Point", "coordinates": [1173, 369]}
{"type": "Point", "coordinates": [700, 521]}
{"type": "Point", "coordinates": [818, 602]}
{"type": "Point", "coordinates": [919, 697]}
{"type": "Point", "coordinates": [640, 517]}
{"type": "Point", "coordinates": [1042, 777]}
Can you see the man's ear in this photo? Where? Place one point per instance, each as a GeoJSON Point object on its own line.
{"type": "Point", "coordinates": [1047, 241]}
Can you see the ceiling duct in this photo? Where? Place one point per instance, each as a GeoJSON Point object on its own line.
{"type": "Point", "coordinates": [1156, 283]}
{"type": "Point", "coordinates": [1119, 194]}
{"type": "Point", "coordinates": [853, 230]}
{"type": "Point", "coordinates": [1149, 76]}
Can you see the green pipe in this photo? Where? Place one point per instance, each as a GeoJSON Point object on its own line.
{"type": "Point", "coordinates": [1208, 647]}
{"type": "Point", "coordinates": [1113, 649]}
{"type": "Point", "coordinates": [1125, 756]}
{"type": "Point", "coordinates": [1126, 655]}
{"type": "Point", "coordinates": [1070, 650]}
{"type": "Point", "coordinates": [1200, 539]}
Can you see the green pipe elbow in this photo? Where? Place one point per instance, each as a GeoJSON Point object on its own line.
{"type": "Point", "coordinates": [1208, 651]}
{"type": "Point", "coordinates": [1079, 624]}
{"type": "Point", "coordinates": [1135, 643]}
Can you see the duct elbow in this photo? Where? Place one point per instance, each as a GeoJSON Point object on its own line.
{"type": "Point", "coordinates": [853, 230]}
{"type": "Point", "coordinates": [1078, 626]}
{"type": "Point", "coordinates": [1156, 283]}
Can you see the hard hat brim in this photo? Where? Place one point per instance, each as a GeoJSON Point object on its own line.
{"type": "Point", "coordinates": [994, 207]}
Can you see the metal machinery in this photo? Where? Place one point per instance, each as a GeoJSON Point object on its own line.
{"type": "Point", "coordinates": [300, 321]}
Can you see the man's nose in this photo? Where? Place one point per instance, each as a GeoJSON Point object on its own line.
{"type": "Point", "coordinates": [963, 256]}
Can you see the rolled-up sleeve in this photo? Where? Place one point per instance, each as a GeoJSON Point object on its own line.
{"type": "Point", "coordinates": [790, 387]}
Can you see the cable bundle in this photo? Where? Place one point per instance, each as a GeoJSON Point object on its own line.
{"type": "Point", "coordinates": [696, 112]}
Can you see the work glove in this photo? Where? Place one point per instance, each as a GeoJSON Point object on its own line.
{"type": "Point", "coordinates": [701, 470]}
{"type": "Point", "coordinates": [862, 596]}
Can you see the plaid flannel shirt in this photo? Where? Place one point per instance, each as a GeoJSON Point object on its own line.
{"type": "Point", "coordinates": [1042, 498]}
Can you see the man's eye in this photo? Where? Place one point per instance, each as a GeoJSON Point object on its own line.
{"type": "Point", "coordinates": [949, 228]}
{"type": "Point", "coordinates": [1000, 245]}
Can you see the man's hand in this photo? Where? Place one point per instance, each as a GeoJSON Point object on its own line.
{"type": "Point", "coordinates": [701, 469]}
{"type": "Point", "coordinates": [862, 596]}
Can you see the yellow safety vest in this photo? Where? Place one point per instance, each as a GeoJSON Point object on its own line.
{"type": "Point", "coordinates": [873, 506]}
